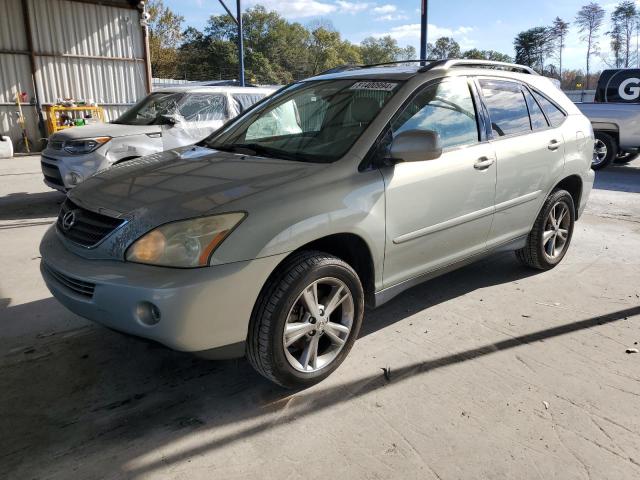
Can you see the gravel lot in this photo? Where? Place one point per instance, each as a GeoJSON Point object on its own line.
{"type": "Point", "coordinates": [495, 372]}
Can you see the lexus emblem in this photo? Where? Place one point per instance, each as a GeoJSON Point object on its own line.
{"type": "Point", "coordinates": [68, 220]}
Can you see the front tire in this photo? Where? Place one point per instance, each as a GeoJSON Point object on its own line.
{"type": "Point", "coordinates": [551, 234]}
{"type": "Point", "coordinates": [305, 320]}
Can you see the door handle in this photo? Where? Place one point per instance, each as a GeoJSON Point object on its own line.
{"type": "Point", "coordinates": [483, 163]}
{"type": "Point", "coordinates": [553, 145]}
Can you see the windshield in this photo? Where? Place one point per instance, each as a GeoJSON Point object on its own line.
{"type": "Point", "coordinates": [188, 107]}
{"type": "Point", "coordinates": [314, 121]}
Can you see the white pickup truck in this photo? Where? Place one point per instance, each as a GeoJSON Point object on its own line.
{"type": "Point", "coordinates": [615, 116]}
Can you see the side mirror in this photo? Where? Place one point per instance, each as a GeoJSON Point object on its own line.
{"type": "Point", "coordinates": [416, 146]}
{"type": "Point", "coordinates": [166, 119]}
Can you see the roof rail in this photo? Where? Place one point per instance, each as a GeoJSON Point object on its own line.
{"type": "Point", "coordinates": [356, 66]}
{"type": "Point", "coordinates": [447, 64]}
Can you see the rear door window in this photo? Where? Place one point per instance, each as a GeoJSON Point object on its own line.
{"type": "Point", "coordinates": [554, 114]}
{"type": "Point", "coordinates": [507, 107]}
{"type": "Point", "coordinates": [203, 107]}
{"type": "Point", "coordinates": [245, 100]}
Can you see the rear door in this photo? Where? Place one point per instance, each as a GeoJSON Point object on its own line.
{"type": "Point", "coordinates": [530, 155]}
{"type": "Point", "coordinates": [439, 211]}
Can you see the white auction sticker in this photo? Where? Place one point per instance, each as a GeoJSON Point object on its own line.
{"type": "Point", "coordinates": [386, 86]}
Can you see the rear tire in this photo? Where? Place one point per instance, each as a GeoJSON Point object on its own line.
{"type": "Point", "coordinates": [551, 234]}
{"type": "Point", "coordinates": [624, 157]}
{"type": "Point", "coordinates": [287, 302]}
{"type": "Point", "coordinates": [605, 150]}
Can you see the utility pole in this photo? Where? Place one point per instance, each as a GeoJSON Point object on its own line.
{"type": "Point", "coordinates": [423, 29]}
{"type": "Point", "coordinates": [238, 21]}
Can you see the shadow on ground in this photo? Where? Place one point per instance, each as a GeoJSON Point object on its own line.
{"type": "Point", "coordinates": [26, 206]}
{"type": "Point", "coordinates": [94, 394]}
{"type": "Point", "coordinates": [621, 178]}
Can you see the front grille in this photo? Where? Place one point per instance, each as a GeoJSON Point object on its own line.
{"type": "Point", "coordinates": [86, 228]}
{"type": "Point", "coordinates": [77, 286]}
{"type": "Point", "coordinates": [51, 173]}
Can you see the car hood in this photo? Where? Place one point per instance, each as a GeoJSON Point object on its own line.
{"type": "Point", "coordinates": [183, 183]}
{"type": "Point", "coordinates": [104, 130]}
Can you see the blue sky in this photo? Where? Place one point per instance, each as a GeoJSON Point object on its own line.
{"type": "Point", "coordinates": [488, 24]}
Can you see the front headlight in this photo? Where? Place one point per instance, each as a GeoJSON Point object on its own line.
{"type": "Point", "coordinates": [86, 145]}
{"type": "Point", "coordinates": [188, 243]}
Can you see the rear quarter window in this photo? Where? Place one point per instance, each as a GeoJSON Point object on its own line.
{"type": "Point", "coordinates": [553, 113]}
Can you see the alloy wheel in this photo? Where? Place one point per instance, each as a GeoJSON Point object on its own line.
{"type": "Point", "coordinates": [556, 231]}
{"type": "Point", "coordinates": [600, 152]}
{"type": "Point", "coordinates": [318, 324]}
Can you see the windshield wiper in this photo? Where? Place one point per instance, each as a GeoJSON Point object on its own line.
{"type": "Point", "coordinates": [256, 149]}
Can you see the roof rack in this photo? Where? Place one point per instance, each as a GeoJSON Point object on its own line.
{"type": "Point", "coordinates": [447, 64]}
{"type": "Point", "coordinates": [430, 64]}
{"type": "Point", "coordinates": [357, 66]}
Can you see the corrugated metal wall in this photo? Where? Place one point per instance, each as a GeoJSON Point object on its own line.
{"type": "Point", "coordinates": [83, 51]}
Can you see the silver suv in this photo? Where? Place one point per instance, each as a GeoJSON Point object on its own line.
{"type": "Point", "coordinates": [270, 237]}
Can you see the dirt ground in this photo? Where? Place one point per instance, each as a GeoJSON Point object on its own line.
{"type": "Point", "coordinates": [495, 373]}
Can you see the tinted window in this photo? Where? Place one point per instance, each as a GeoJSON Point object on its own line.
{"type": "Point", "coordinates": [245, 100]}
{"type": "Point", "coordinates": [446, 108]}
{"type": "Point", "coordinates": [537, 117]}
{"type": "Point", "coordinates": [554, 114]}
{"type": "Point", "coordinates": [507, 107]}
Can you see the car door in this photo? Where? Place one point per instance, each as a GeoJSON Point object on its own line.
{"type": "Point", "coordinates": [197, 116]}
{"type": "Point", "coordinates": [439, 211]}
{"type": "Point", "coordinates": [530, 154]}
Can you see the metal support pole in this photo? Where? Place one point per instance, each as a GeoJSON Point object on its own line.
{"type": "Point", "coordinates": [144, 23]}
{"type": "Point", "coordinates": [26, 13]}
{"type": "Point", "coordinates": [240, 44]}
{"type": "Point", "coordinates": [423, 30]}
{"type": "Point", "coordinates": [238, 21]}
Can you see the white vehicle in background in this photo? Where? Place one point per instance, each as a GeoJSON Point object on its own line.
{"type": "Point", "coordinates": [165, 119]}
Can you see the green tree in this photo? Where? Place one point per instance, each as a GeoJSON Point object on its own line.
{"type": "Point", "coordinates": [589, 20]}
{"type": "Point", "coordinates": [475, 54]}
{"type": "Point", "coordinates": [533, 46]}
{"type": "Point", "coordinates": [379, 50]}
{"type": "Point", "coordinates": [444, 47]}
{"type": "Point", "coordinates": [165, 34]}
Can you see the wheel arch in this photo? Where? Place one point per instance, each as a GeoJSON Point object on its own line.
{"type": "Point", "coordinates": [349, 247]}
{"type": "Point", "coordinates": [573, 185]}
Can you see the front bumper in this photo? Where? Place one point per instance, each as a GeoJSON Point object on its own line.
{"type": "Point", "coordinates": [199, 309]}
{"type": "Point", "coordinates": [57, 168]}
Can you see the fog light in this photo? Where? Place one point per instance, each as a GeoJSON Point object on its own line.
{"type": "Point", "coordinates": [74, 178]}
{"type": "Point", "coordinates": [147, 313]}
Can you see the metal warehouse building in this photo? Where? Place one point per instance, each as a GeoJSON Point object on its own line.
{"type": "Point", "coordinates": [57, 49]}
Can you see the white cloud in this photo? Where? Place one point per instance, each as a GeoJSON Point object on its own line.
{"type": "Point", "coordinates": [297, 8]}
{"type": "Point", "coordinates": [390, 17]}
{"type": "Point", "coordinates": [352, 7]}
{"type": "Point", "coordinates": [409, 34]}
{"type": "Point", "coordinates": [385, 9]}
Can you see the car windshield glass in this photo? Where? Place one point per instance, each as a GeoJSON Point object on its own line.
{"type": "Point", "coordinates": [315, 121]}
{"type": "Point", "coordinates": [147, 110]}
{"type": "Point", "coordinates": [185, 107]}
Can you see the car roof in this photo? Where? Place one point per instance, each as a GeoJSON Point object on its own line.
{"type": "Point", "coordinates": [386, 72]}
{"type": "Point", "coordinates": [215, 89]}
{"type": "Point", "coordinates": [405, 69]}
